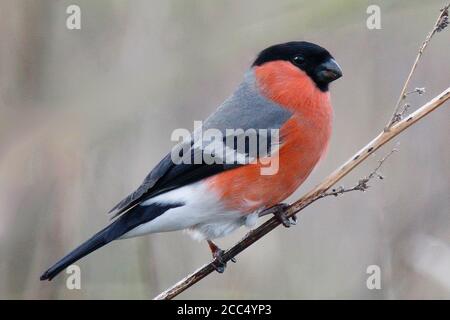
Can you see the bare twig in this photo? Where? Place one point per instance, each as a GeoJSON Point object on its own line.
{"type": "Point", "coordinates": [395, 126]}
{"type": "Point", "coordinates": [311, 196]}
{"type": "Point", "coordinates": [362, 184]}
{"type": "Point", "coordinates": [401, 113]}
{"type": "Point", "coordinates": [419, 91]}
{"type": "Point", "coordinates": [440, 24]}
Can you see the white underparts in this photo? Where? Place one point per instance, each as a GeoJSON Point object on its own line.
{"type": "Point", "coordinates": [201, 216]}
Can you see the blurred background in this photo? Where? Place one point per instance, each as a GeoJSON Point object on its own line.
{"type": "Point", "coordinates": [85, 114]}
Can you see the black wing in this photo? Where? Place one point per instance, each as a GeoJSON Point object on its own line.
{"type": "Point", "coordinates": [167, 175]}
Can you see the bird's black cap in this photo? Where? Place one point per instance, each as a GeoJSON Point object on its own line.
{"type": "Point", "coordinates": [316, 61]}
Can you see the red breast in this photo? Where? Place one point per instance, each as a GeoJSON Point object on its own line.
{"type": "Point", "coordinates": [304, 138]}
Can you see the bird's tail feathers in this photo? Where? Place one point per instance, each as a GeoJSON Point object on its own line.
{"type": "Point", "coordinates": [126, 222]}
{"type": "Point", "coordinates": [97, 241]}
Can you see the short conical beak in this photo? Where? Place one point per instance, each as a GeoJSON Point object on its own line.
{"type": "Point", "coordinates": [329, 71]}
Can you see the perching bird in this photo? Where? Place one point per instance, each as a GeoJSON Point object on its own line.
{"type": "Point", "coordinates": [284, 98]}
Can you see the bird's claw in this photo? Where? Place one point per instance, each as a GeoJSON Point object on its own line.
{"type": "Point", "coordinates": [293, 220]}
{"type": "Point", "coordinates": [280, 214]}
{"type": "Point", "coordinates": [218, 263]}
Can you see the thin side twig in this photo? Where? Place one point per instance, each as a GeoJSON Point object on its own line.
{"type": "Point", "coordinates": [440, 24]}
{"type": "Point", "coordinates": [363, 183]}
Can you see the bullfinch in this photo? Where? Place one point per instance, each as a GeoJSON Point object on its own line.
{"type": "Point", "coordinates": [284, 100]}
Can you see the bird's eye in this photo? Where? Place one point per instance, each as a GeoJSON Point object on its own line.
{"type": "Point", "coordinates": [298, 60]}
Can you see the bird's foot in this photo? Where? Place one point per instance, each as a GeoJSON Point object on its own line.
{"type": "Point", "coordinates": [219, 264]}
{"type": "Point", "coordinates": [278, 211]}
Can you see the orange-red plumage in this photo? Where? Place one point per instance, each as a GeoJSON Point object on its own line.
{"type": "Point", "coordinates": [304, 139]}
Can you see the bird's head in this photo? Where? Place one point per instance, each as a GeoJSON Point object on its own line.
{"type": "Point", "coordinates": [312, 59]}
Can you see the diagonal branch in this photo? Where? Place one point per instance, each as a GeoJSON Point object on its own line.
{"type": "Point", "coordinates": [396, 125]}
{"type": "Point", "coordinates": [311, 196]}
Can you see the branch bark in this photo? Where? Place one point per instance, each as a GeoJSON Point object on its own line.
{"type": "Point", "coordinates": [311, 196]}
{"type": "Point", "coordinates": [395, 126]}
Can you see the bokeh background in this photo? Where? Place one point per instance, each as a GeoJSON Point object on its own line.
{"type": "Point", "coordinates": [85, 114]}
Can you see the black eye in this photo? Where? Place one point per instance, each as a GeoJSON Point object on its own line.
{"type": "Point", "coordinates": [298, 60]}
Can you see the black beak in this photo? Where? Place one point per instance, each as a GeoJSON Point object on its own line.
{"type": "Point", "coordinates": [329, 71]}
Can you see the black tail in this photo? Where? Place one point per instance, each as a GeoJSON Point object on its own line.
{"type": "Point", "coordinates": [97, 241]}
{"type": "Point", "coordinates": [126, 222]}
